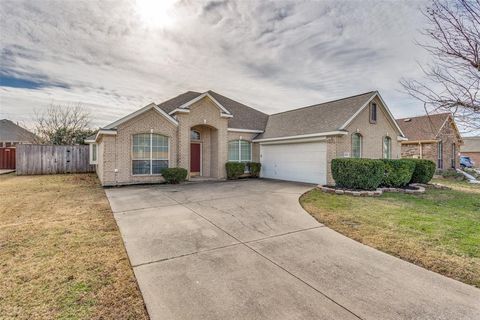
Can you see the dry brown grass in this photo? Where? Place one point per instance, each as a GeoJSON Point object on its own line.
{"type": "Point", "coordinates": [61, 254]}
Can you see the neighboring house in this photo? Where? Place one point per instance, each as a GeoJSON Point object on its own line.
{"type": "Point", "coordinates": [202, 131]}
{"type": "Point", "coordinates": [471, 148]}
{"type": "Point", "coordinates": [434, 137]}
{"type": "Point", "coordinates": [12, 134]}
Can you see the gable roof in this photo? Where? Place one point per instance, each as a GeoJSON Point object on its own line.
{"type": "Point", "coordinates": [423, 127]}
{"type": "Point", "coordinates": [244, 117]}
{"type": "Point", "coordinates": [11, 132]}
{"type": "Point", "coordinates": [132, 115]}
{"type": "Point", "coordinates": [332, 116]}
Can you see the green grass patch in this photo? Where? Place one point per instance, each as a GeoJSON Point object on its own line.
{"type": "Point", "coordinates": [439, 230]}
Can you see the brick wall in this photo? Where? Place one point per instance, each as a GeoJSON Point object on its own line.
{"type": "Point", "coordinates": [204, 113]}
{"type": "Point", "coordinates": [475, 156]}
{"type": "Point", "coordinates": [116, 151]}
{"type": "Point", "coordinates": [372, 137]}
{"type": "Point", "coordinates": [429, 150]}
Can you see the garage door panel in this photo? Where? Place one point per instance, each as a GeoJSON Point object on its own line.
{"type": "Point", "coordinates": [304, 162]}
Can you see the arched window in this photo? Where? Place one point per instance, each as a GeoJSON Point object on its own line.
{"type": "Point", "coordinates": [239, 151]}
{"type": "Point", "coordinates": [149, 153]}
{"type": "Point", "coordinates": [356, 145]}
{"type": "Point", "coordinates": [194, 135]}
{"type": "Point", "coordinates": [387, 147]}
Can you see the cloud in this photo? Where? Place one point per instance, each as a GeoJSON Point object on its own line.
{"type": "Point", "coordinates": [270, 55]}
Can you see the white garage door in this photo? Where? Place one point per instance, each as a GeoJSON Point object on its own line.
{"type": "Point", "coordinates": [304, 162]}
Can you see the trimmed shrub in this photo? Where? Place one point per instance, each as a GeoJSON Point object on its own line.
{"type": "Point", "coordinates": [424, 170]}
{"type": "Point", "coordinates": [351, 173]}
{"type": "Point", "coordinates": [174, 175]}
{"type": "Point", "coordinates": [254, 168]}
{"type": "Point", "coordinates": [234, 169]}
{"type": "Point", "coordinates": [398, 173]}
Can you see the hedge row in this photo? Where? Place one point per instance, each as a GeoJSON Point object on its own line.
{"type": "Point", "coordinates": [237, 169]}
{"type": "Point", "coordinates": [369, 174]}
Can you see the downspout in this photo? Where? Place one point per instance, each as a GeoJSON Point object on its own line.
{"type": "Point", "coordinates": [421, 150]}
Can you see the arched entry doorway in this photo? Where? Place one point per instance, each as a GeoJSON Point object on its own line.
{"type": "Point", "coordinates": [204, 151]}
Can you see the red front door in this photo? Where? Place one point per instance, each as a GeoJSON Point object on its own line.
{"type": "Point", "coordinates": [195, 155]}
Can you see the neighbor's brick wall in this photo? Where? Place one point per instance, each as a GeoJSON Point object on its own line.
{"type": "Point", "coordinates": [429, 151]}
{"type": "Point", "coordinates": [202, 113]}
{"type": "Point", "coordinates": [475, 156]}
{"type": "Point", "coordinates": [449, 138]}
{"type": "Point", "coordinates": [117, 150]}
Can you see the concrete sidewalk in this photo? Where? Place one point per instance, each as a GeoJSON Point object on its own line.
{"type": "Point", "coordinates": [247, 250]}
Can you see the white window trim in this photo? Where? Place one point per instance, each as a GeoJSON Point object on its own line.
{"type": "Point", "coordinates": [361, 144]}
{"type": "Point", "coordinates": [240, 151]}
{"type": "Point", "coordinates": [389, 155]}
{"type": "Point", "coordinates": [91, 146]}
{"type": "Point", "coordinates": [151, 157]}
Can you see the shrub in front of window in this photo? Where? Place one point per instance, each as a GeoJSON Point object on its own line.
{"type": "Point", "coordinates": [174, 175]}
{"type": "Point", "coordinates": [424, 170]}
{"type": "Point", "coordinates": [254, 169]}
{"type": "Point", "coordinates": [234, 169]}
{"type": "Point", "coordinates": [398, 173]}
{"type": "Point", "coordinates": [363, 174]}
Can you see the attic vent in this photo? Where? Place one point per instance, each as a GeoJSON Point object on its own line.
{"type": "Point", "coordinates": [407, 120]}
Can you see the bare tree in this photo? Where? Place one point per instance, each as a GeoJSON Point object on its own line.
{"type": "Point", "coordinates": [63, 124]}
{"type": "Point", "coordinates": [452, 80]}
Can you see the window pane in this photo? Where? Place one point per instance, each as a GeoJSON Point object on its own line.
{"type": "Point", "coordinates": [94, 152]}
{"type": "Point", "coordinates": [194, 135]}
{"type": "Point", "coordinates": [141, 147]}
{"type": "Point", "coordinates": [387, 147]}
{"type": "Point", "coordinates": [373, 115]}
{"type": "Point", "coordinates": [233, 154]}
{"type": "Point", "coordinates": [141, 166]}
{"type": "Point", "coordinates": [159, 147]}
{"type": "Point", "coordinates": [246, 151]}
{"type": "Point", "coordinates": [158, 165]}
{"type": "Point", "coordinates": [356, 145]}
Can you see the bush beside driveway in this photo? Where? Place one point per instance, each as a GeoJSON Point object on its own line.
{"type": "Point", "coordinates": [439, 230]}
{"type": "Point", "coordinates": [61, 255]}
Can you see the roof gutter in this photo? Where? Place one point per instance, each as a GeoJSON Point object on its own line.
{"type": "Point", "coordinates": [302, 136]}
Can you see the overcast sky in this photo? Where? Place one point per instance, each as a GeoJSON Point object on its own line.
{"type": "Point", "coordinates": [117, 56]}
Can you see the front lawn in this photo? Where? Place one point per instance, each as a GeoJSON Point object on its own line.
{"type": "Point", "coordinates": [61, 254]}
{"type": "Point", "coordinates": [439, 230]}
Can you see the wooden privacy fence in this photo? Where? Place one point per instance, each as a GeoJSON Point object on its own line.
{"type": "Point", "coordinates": [43, 159]}
{"type": "Point", "coordinates": [7, 158]}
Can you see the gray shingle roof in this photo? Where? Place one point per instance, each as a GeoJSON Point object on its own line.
{"type": "Point", "coordinates": [423, 127]}
{"type": "Point", "coordinates": [324, 117]}
{"type": "Point", "coordinates": [11, 132]}
{"type": "Point", "coordinates": [244, 117]}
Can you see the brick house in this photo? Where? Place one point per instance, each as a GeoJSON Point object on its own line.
{"type": "Point", "coordinates": [202, 131]}
{"type": "Point", "coordinates": [471, 148]}
{"type": "Point", "coordinates": [434, 137]}
{"type": "Point", "coordinates": [12, 134]}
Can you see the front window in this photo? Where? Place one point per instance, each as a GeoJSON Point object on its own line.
{"type": "Point", "coordinates": [356, 145]}
{"type": "Point", "coordinates": [239, 151]}
{"type": "Point", "coordinates": [387, 148]}
{"type": "Point", "coordinates": [150, 153]}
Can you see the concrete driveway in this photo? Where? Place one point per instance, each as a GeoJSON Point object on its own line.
{"type": "Point", "coordinates": [247, 250]}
